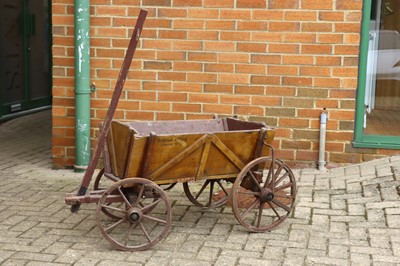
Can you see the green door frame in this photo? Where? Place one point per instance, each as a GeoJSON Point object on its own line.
{"type": "Point", "coordinates": [362, 140]}
{"type": "Point", "coordinates": [27, 104]}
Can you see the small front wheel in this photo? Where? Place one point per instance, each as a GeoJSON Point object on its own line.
{"type": "Point", "coordinates": [263, 194]}
{"type": "Point", "coordinates": [141, 214]}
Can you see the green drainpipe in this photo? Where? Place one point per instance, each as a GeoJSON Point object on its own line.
{"type": "Point", "coordinates": [82, 84]}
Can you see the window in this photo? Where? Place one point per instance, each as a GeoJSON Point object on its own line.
{"type": "Point", "coordinates": [378, 97]}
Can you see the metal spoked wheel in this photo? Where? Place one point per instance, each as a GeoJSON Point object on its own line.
{"type": "Point", "coordinates": [268, 188]}
{"type": "Point", "coordinates": [208, 193]}
{"type": "Point", "coordinates": [141, 214]}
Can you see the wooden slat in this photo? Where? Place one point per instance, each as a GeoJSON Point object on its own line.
{"type": "Point", "coordinates": [113, 159]}
{"type": "Point", "coordinates": [203, 160]}
{"type": "Point", "coordinates": [227, 152]}
{"type": "Point", "coordinates": [148, 151]}
{"type": "Point", "coordinates": [129, 154]}
{"type": "Point", "coordinates": [185, 153]}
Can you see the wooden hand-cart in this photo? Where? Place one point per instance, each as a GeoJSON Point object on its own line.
{"type": "Point", "coordinates": [216, 160]}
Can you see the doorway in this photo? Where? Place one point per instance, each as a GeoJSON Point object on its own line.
{"type": "Point", "coordinates": [25, 70]}
{"type": "Point", "coordinates": [382, 92]}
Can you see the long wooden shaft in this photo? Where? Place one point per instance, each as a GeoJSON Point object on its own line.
{"type": "Point", "coordinates": [113, 106]}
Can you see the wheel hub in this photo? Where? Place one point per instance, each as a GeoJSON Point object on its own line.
{"type": "Point", "coordinates": [134, 215]}
{"type": "Point", "coordinates": [266, 195]}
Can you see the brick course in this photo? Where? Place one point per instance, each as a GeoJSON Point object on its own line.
{"type": "Point", "coordinates": [281, 60]}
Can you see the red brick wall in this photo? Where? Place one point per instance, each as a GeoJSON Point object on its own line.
{"type": "Point", "coordinates": [278, 61]}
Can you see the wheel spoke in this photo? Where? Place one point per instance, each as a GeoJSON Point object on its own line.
{"type": "Point", "coordinates": [248, 192]}
{"type": "Point", "coordinates": [150, 206]}
{"type": "Point", "coordinates": [145, 232]}
{"type": "Point", "coordinates": [114, 225]}
{"type": "Point", "coordinates": [140, 195]}
{"type": "Point", "coordinates": [211, 193]}
{"type": "Point", "coordinates": [273, 208]}
{"type": "Point", "coordinates": [222, 187]}
{"type": "Point", "coordinates": [268, 180]}
{"type": "Point", "coordinates": [249, 208]}
{"type": "Point", "coordinates": [283, 187]}
{"type": "Point", "coordinates": [123, 196]}
{"type": "Point", "coordinates": [254, 179]}
{"type": "Point", "coordinates": [260, 211]}
{"type": "Point", "coordinates": [128, 234]}
{"type": "Point", "coordinates": [112, 208]}
{"type": "Point", "coordinates": [154, 219]}
{"type": "Point", "coordinates": [281, 179]}
{"type": "Point", "coordinates": [280, 204]}
{"type": "Point", "coordinates": [274, 175]}
{"type": "Point", "coordinates": [287, 196]}
{"type": "Point", "coordinates": [201, 190]}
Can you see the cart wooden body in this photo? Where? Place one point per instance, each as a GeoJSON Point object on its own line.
{"type": "Point", "coordinates": [182, 151]}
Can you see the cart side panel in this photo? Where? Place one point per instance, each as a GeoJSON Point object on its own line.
{"type": "Point", "coordinates": [182, 157]}
{"type": "Point", "coordinates": [240, 143]}
{"type": "Point", "coordinates": [137, 157]}
{"type": "Point", "coordinates": [118, 139]}
{"type": "Point", "coordinates": [177, 156]}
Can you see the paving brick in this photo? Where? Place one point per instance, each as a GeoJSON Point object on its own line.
{"type": "Point", "coordinates": [208, 254]}
{"type": "Point", "coordinates": [13, 262]}
{"type": "Point", "coordinates": [339, 228]}
{"type": "Point", "coordinates": [305, 252]}
{"type": "Point", "coordinates": [350, 170]}
{"type": "Point", "coordinates": [256, 262]}
{"type": "Point", "coordinates": [31, 256]}
{"type": "Point", "coordinates": [325, 260]}
{"type": "Point", "coordinates": [393, 221]}
{"type": "Point", "coordinates": [338, 251]}
{"type": "Point", "coordinates": [370, 250]}
{"type": "Point", "coordinates": [385, 260]}
{"type": "Point", "coordinates": [358, 233]}
{"type": "Point", "coordinates": [87, 262]}
{"type": "Point", "coordinates": [294, 259]}
{"type": "Point", "coordinates": [226, 261]}
{"type": "Point", "coordinates": [4, 255]}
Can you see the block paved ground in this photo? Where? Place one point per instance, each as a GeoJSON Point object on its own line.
{"type": "Point", "coordinates": [346, 216]}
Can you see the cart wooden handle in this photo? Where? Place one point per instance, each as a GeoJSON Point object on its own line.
{"type": "Point", "coordinates": [112, 107]}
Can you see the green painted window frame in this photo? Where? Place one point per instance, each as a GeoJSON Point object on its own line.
{"type": "Point", "coordinates": [362, 140]}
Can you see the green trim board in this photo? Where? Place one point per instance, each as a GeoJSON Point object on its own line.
{"type": "Point", "coordinates": [362, 140]}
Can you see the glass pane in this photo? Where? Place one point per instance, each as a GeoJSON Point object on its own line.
{"type": "Point", "coordinates": [382, 99]}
